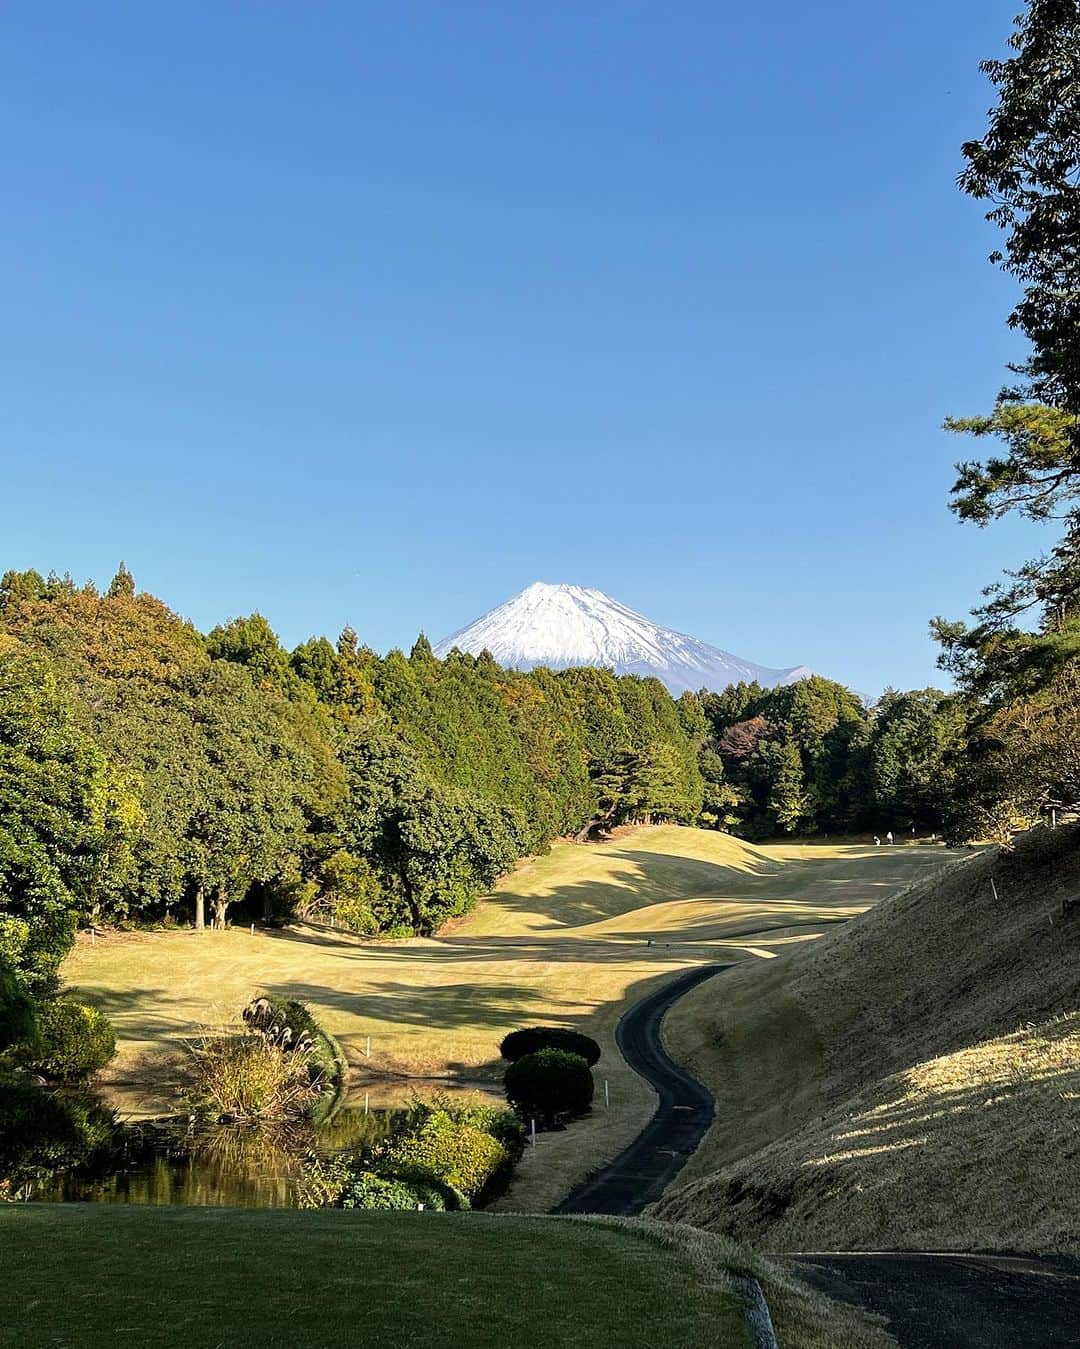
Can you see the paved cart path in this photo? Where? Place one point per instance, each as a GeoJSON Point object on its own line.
{"type": "Point", "coordinates": [643, 1171]}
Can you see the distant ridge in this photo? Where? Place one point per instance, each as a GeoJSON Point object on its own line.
{"type": "Point", "coordinates": [564, 625]}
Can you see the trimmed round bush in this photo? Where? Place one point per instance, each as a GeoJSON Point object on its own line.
{"type": "Point", "coordinates": [75, 1041]}
{"type": "Point", "coordinates": [534, 1038]}
{"type": "Point", "coordinates": [549, 1085]}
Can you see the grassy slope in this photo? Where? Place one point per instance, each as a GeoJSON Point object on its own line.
{"type": "Point", "coordinates": [82, 1276]}
{"type": "Point", "coordinates": [562, 940]}
{"type": "Point", "coordinates": [910, 1080]}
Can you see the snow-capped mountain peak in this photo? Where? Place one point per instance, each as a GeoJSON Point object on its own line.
{"type": "Point", "coordinates": [563, 625]}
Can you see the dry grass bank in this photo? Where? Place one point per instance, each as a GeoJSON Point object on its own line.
{"type": "Point", "coordinates": [912, 1079]}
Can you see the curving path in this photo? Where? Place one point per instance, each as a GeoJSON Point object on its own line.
{"type": "Point", "coordinates": [931, 1300]}
{"type": "Point", "coordinates": [641, 1172]}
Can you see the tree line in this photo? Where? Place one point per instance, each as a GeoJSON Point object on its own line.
{"type": "Point", "coordinates": [151, 773]}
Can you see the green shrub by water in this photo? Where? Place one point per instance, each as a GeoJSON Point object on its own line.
{"type": "Point", "coordinates": [448, 1153]}
{"type": "Point", "coordinates": [42, 1132]}
{"type": "Point", "coordinates": [75, 1041]}
{"type": "Point", "coordinates": [549, 1085]}
{"type": "Point", "coordinates": [442, 1150]}
{"type": "Point", "coordinates": [534, 1038]}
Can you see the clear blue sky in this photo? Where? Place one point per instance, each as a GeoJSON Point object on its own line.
{"type": "Point", "coordinates": [375, 313]}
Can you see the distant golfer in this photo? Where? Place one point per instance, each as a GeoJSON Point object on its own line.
{"type": "Point", "coordinates": [888, 837]}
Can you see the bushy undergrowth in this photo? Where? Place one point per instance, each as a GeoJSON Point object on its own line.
{"type": "Point", "coordinates": [549, 1086]}
{"type": "Point", "coordinates": [74, 1041]}
{"type": "Point", "coordinates": [290, 1024]}
{"type": "Point", "coordinates": [534, 1038]}
{"type": "Point", "coordinates": [443, 1154]}
{"type": "Point", "coordinates": [42, 1132]}
{"type": "Point", "coordinates": [443, 1150]}
{"type": "Point", "coordinates": [284, 1068]}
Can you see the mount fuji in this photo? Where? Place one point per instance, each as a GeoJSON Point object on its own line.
{"type": "Point", "coordinates": [563, 625]}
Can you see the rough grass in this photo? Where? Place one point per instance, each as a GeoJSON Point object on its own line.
{"type": "Point", "coordinates": [911, 1080]}
{"type": "Point", "coordinates": [563, 940]}
{"type": "Point", "coordinates": [157, 1277]}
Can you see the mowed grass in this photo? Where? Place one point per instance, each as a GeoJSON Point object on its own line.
{"type": "Point", "coordinates": [571, 938]}
{"type": "Point", "coordinates": [911, 1081]}
{"type": "Point", "coordinates": [90, 1276]}
{"type": "Point", "coordinates": [79, 1277]}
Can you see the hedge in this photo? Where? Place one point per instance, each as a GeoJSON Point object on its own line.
{"type": "Point", "coordinates": [534, 1038]}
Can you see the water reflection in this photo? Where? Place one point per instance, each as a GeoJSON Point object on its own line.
{"type": "Point", "coordinates": [160, 1162]}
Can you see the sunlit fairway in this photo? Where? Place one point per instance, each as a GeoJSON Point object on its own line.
{"type": "Point", "coordinates": [572, 938]}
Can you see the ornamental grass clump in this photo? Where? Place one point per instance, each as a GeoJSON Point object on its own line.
{"type": "Point", "coordinates": [250, 1077]}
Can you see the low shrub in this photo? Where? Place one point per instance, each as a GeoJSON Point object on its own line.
{"type": "Point", "coordinates": [549, 1085]}
{"type": "Point", "coordinates": [42, 1132]}
{"type": "Point", "coordinates": [75, 1041]}
{"type": "Point", "coordinates": [442, 1150]}
{"type": "Point", "coordinates": [370, 1191]}
{"type": "Point", "coordinates": [344, 1182]}
{"type": "Point", "coordinates": [18, 1026]}
{"type": "Point", "coordinates": [481, 1112]}
{"type": "Point", "coordinates": [534, 1038]}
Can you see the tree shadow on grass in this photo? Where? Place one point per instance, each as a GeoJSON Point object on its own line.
{"type": "Point", "coordinates": [649, 879]}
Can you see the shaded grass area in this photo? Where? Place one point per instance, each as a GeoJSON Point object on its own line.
{"type": "Point", "coordinates": [912, 1080]}
{"type": "Point", "coordinates": [79, 1277]}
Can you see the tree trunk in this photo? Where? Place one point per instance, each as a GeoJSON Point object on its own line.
{"type": "Point", "coordinates": [220, 905]}
{"type": "Point", "coordinates": [200, 909]}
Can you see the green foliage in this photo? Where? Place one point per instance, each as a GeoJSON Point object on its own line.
{"type": "Point", "coordinates": [1026, 166]}
{"type": "Point", "coordinates": [288, 1023]}
{"type": "Point", "coordinates": [75, 1041]}
{"type": "Point", "coordinates": [1014, 663]}
{"type": "Point", "coordinates": [533, 1038]}
{"type": "Point", "coordinates": [444, 1150]}
{"type": "Point", "coordinates": [549, 1085]}
{"type": "Point", "coordinates": [58, 831]}
{"type": "Point", "coordinates": [18, 1025]}
{"type": "Point", "coordinates": [42, 1132]}
{"type": "Point", "coordinates": [345, 1182]}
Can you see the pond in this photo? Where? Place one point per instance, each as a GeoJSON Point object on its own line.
{"type": "Point", "coordinates": [161, 1162]}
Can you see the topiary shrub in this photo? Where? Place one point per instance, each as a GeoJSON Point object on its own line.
{"type": "Point", "coordinates": [75, 1041]}
{"type": "Point", "coordinates": [534, 1038]}
{"type": "Point", "coordinates": [549, 1085]}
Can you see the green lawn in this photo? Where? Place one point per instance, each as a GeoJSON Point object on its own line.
{"type": "Point", "coordinates": [83, 1276]}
